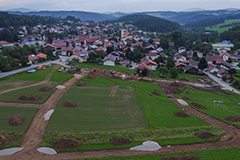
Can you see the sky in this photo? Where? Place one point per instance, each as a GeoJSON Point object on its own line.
{"type": "Point", "coordinates": [104, 6]}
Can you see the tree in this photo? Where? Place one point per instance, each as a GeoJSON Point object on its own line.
{"type": "Point", "coordinates": [170, 63]}
{"type": "Point", "coordinates": [180, 70]}
{"type": "Point", "coordinates": [109, 50]}
{"type": "Point", "coordinates": [150, 41]}
{"type": "Point", "coordinates": [173, 73]}
{"type": "Point", "coordinates": [49, 53]}
{"type": "Point", "coordinates": [144, 72]}
{"type": "Point", "coordinates": [232, 70]}
{"type": "Point", "coordinates": [24, 61]}
{"type": "Point", "coordinates": [163, 70]}
{"type": "Point", "coordinates": [203, 63]}
{"type": "Point", "coordinates": [224, 78]}
{"type": "Point", "coordinates": [3, 62]}
{"type": "Point", "coordinates": [73, 44]}
{"type": "Point", "coordinates": [229, 60]}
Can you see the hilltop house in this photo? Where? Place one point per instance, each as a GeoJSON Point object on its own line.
{"type": "Point", "coordinates": [109, 60]}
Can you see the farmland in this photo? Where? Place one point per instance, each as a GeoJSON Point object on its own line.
{"type": "Point", "coordinates": [224, 26]}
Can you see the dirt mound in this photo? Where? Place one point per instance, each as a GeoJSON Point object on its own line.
{"type": "Point", "coordinates": [156, 92]}
{"type": "Point", "coordinates": [71, 64]}
{"type": "Point", "coordinates": [45, 89]}
{"type": "Point", "coordinates": [184, 79]}
{"type": "Point", "coordinates": [181, 113]}
{"type": "Point", "coordinates": [194, 104]}
{"type": "Point", "coordinates": [175, 84]}
{"type": "Point", "coordinates": [205, 135]}
{"type": "Point", "coordinates": [90, 77]}
{"type": "Point", "coordinates": [233, 118]}
{"type": "Point", "coordinates": [16, 120]}
{"type": "Point", "coordinates": [145, 80]}
{"type": "Point", "coordinates": [121, 140]}
{"type": "Point", "coordinates": [186, 98]}
{"type": "Point", "coordinates": [24, 98]}
{"type": "Point", "coordinates": [81, 83]}
{"type": "Point", "coordinates": [69, 104]}
{"type": "Point", "coordinates": [181, 157]}
{"type": "Point", "coordinates": [64, 143]}
{"type": "Point", "coordinates": [175, 90]}
{"type": "Point", "coordinates": [5, 140]}
{"type": "Point", "coordinates": [34, 98]}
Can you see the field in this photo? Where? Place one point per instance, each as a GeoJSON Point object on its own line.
{"type": "Point", "coordinates": [220, 27]}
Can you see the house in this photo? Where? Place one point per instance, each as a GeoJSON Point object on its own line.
{"type": "Point", "coordinates": [221, 73]}
{"type": "Point", "coordinates": [226, 65]}
{"type": "Point", "coordinates": [191, 70]}
{"type": "Point", "coordinates": [178, 64]}
{"type": "Point", "coordinates": [225, 44]}
{"type": "Point", "coordinates": [141, 66]}
{"type": "Point", "coordinates": [76, 58]}
{"type": "Point", "coordinates": [42, 55]}
{"type": "Point", "coordinates": [156, 41]}
{"type": "Point", "coordinates": [125, 63]}
{"type": "Point", "coordinates": [116, 55]}
{"type": "Point", "coordinates": [109, 60]}
{"type": "Point", "coordinates": [32, 58]}
{"type": "Point", "coordinates": [181, 49]}
{"type": "Point", "coordinates": [178, 57]}
{"type": "Point", "coordinates": [49, 46]}
{"type": "Point", "coordinates": [151, 64]}
{"type": "Point", "coordinates": [214, 59]}
{"type": "Point", "coordinates": [152, 55]}
{"type": "Point", "coordinates": [170, 43]}
{"type": "Point", "coordinates": [225, 56]}
{"type": "Point", "coordinates": [212, 68]}
{"type": "Point", "coordinates": [194, 64]}
{"type": "Point", "coordinates": [64, 50]}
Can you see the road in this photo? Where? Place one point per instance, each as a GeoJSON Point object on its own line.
{"type": "Point", "coordinates": [224, 85]}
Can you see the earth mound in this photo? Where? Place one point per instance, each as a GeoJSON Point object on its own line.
{"type": "Point", "coordinates": [81, 83]}
{"type": "Point", "coordinates": [90, 77]}
{"type": "Point", "coordinates": [233, 118]}
{"type": "Point", "coordinates": [182, 157]}
{"type": "Point", "coordinates": [175, 90]}
{"type": "Point", "coordinates": [181, 113]}
{"type": "Point", "coordinates": [194, 104]}
{"type": "Point", "coordinates": [186, 98]}
{"type": "Point", "coordinates": [69, 104]}
{"type": "Point", "coordinates": [23, 97]}
{"type": "Point", "coordinates": [175, 84]}
{"type": "Point", "coordinates": [34, 98]}
{"type": "Point", "coordinates": [121, 140]}
{"type": "Point", "coordinates": [71, 64]}
{"type": "Point", "coordinates": [205, 135]}
{"type": "Point", "coordinates": [64, 143]}
{"type": "Point", "coordinates": [156, 92]}
{"type": "Point", "coordinates": [184, 79]}
{"type": "Point", "coordinates": [16, 120]}
{"type": "Point", "coordinates": [5, 140]}
{"type": "Point", "coordinates": [45, 89]}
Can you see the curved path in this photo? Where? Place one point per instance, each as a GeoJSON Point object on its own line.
{"type": "Point", "coordinates": [33, 136]}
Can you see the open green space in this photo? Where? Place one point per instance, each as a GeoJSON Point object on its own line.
{"type": "Point", "coordinates": [220, 111]}
{"type": "Point", "coordinates": [220, 27]}
{"type": "Point", "coordinates": [14, 95]}
{"type": "Point", "coordinates": [17, 131]}
{"type": "Point", "coordinates": [216, 154]}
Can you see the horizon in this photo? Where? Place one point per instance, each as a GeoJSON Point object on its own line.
{"type": "Point", "coordinates": [126, 6]}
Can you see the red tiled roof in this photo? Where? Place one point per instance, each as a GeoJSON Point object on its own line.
{"type": "Point", "coordinates": [225, 53]}
{"type": "Point", "coordinates": [217, 59]}
{"type": "Point", "coordinates": [42, 55]}
{"type": "Point", "coordinates": [49, 45]}
{"type": "Point", "coordinates": [32, 57]}
{"type": "Point", "coordinates": [156, 40]}
{"type": "Point", "coordinates": [210, 67]}
{"type": "Point", "coordinates": [61, 44]}
{"type": "Point", "coordinates": [147, 62]}
{"type": "Point", "coordinates": [143, 65]}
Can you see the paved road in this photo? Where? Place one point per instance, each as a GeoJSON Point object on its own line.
{"type": "Point", "coordinates": [4, 74]}
{"type": "Point", "coordinates": [222, 83]}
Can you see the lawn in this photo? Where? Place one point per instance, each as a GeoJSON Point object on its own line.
{"type": "Point", "coordinates": [216, 154]}
{"type": "Point", "coordinates": [221, 111]}
{"type": "Point", "coordinates": [220, 29]}
{"type": "Point", "coordinates": [14, 95]}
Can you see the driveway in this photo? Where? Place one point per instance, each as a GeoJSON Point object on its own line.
{"type": "Point", "coordinates": [224, 85]}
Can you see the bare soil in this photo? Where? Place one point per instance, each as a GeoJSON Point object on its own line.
{"type": "Point", "coordinates": [205, 135]}
{"type": "Point", "coordinates": [5, 140]}
{"type": "Point", "coordinates": [34, 98]}
{"type": "Point", "coordinates": [186, 98]}
{"type": "Point", "coordinates": [156, 92]}
{"type": "Point", "coordinates": [184, 80]}
{"type": "Point", "coordinates": [45, 89]}
{"type": "Point", "coordinates": [194, 104]}
{"type": "Point", "coordinates": [181, 113]}
{"type": "Point", "coordinates": [64, 143]}
{"type": "Point", "coordinates": [176, 90]}
{"type": "Point", "coordinates": [121, 140]}
{"type": "Point", "coordinates": [69, 104]}
{"type": "Point", "coordinates": [81, 84]}
{"type": "Point", "coordinates": [182, 157]}
{"type": "Point", "coordinates": [24, 98]}
{"type": "Point", "coordinates": [90, 77]}
{"type": "Point", "coordinates": [16, 120]}
{"type": "Point", "coordinates": [233, 118]}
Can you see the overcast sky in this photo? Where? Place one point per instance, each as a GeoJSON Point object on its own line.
{"type": "Point", "coordinates": [119, 5]}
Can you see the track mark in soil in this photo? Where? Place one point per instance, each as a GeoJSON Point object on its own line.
{"type": "Point", "coordinates": [113, 91]}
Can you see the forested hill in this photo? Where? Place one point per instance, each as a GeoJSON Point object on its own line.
{"type": "Point", "coordinates": [149, 23]}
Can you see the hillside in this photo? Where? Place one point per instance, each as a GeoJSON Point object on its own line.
{"type": "Point", "coordinates": [149, 23]}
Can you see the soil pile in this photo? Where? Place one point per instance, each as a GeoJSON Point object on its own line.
{"type": "Point", "coordinates": [233, 118]}
{"type": "Point", "coordinates": [182, 157]}
{"type": "Point", "coordinates": [184, 79]}
{"type": "Point", "coordinates": [81, 83]}
{"type": "Point", "coordinates": [181, 113]}
{"type": "Point", "coordinates": [145, 80]}
{"type": "Point", "coordinates": [5, 140]}
{"type": "Point", "coordinates": [16, 120]}
{"type": "Point", "coordinates": [71, 64]}
{"type": "Point", "coordinates": [69, 104]}
{"type": "Point", "coordinates": [175, 90]}
{"type": "Point", "coordinates": [175, 84]}
{"type": "Point", "coordinates": [205, 135]}
{"type": "Point", "coordinates": [34, 98]}
{"type": "Point", "coordinates": [156, 92]}
{"type": "Point", "coordinates": [23, 98]}
{"type": "Point", "coordinates": [90, 77]}
{"type": "Point", "coordinates": [186, 98]}
{"type": "Point", "coordinates": [121, 140]}
{"type": "Point", "coordinates": [194, 104]}
{"type": "Point", "coordinates": [64, 143]}
{"type": "Point", "coordinates": [45, 89]}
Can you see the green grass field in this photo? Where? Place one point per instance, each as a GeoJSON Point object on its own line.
{"type": "Point", "coordinates": [220, 29]}
{"type": "Point", "coordinates": [217, 154]}
{"type": "Point", "coordinates": [221, 111]}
